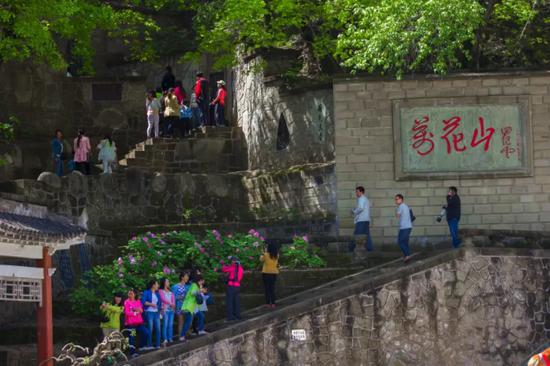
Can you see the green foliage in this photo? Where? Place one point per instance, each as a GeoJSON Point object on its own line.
{"type": "Point", "coordinates": [33, 30]}
{"type": "Point", "coordinates": [166, 255]}
{"type": "Point", "coordinates": [399, 36]}
{"type": "Point", "coordinates": [301, 254]}
{"type": "Point", "coordinates": [7, 131]}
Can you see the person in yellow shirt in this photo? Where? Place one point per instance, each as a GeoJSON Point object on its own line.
{"type": "Point", "coordinates": [270, 269]}
{"type": "Point", "coordinates": [112, 312]}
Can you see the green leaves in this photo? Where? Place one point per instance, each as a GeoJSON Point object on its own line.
{"type": "Point", "coordinates": [400, 36]}
{"type": "Point", "coordinates": [33, 29]}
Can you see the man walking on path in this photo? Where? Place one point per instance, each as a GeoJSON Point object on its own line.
{"type": "Point", "coordinates": [361, 219]}
{"type": "Point", "coordinates": [403, 214]}
{"type": "Point", "coordinates": [452, 211]}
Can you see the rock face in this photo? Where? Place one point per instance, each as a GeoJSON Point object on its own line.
{"type": "Point", "coordinates": [478, 309]}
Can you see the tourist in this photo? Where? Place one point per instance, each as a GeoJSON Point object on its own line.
{"type": "Point", "coordinates": [219, 104]}
{"type": "Point", "coordinates": [58, 153]}
{"type": "Point", "coordinates": [234, 273]}
{"type": "Point", "coordinates": [180, 290]}
{"type": "Point", "coordinates": [153, 109]}
{"type": "Point", "coordinates": [168, 80]}
{"type": "Point", "coordinates": [403, 214]}
{"type": "Point", "coordinates": [201, 93]}
{"type": "Point", "coordinates": [107, 153]}
{"type": "Point", "coordinates": [82, 150]}
{"type": "Point", "coordinates": [202, 307]}
{"type": "Point", "coordinates": [171, 112]}
{"type": "Point", "coordinates": [452, 212]}
{"type": "Point", "coordinates": [361, 219]}
{"type": "Point", "coordinates": [196, 111]}
{"type": "Point", "coordinates": [167, 310]}
{"type": "Point", "coordinates": [151, 302]}
{"type": "Point", "coordinates": [179, 92]}
{"type": "Point", "coordinates": [270, 269]}
{"type": "Point", "coordinates": [112, 312]}
{"type": "Point", "coordinates": [133, 321]}
{"type": "Point", "coordinates": [190, 306]}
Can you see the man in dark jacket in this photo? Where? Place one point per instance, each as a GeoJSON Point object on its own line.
{"type": "Point", "coordinates": [453, 214]}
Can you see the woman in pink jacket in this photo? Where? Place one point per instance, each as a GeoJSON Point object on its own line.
{"type": "Point", "coordinates": [82, 151]}
{"type": "Point", "coordinates": [167, 309]}
{"type": "Point", "coordinates": [134, 321]}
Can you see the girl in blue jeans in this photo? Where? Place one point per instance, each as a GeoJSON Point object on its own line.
{"type": "Point", "coordinates": [167, 310]}
{"type": "Point", "coordinates": [151, 304]}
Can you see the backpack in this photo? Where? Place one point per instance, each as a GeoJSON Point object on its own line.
{"type": "Point", "coordinates": [412, 215]}
{"type": "Point", "coordinates": [186, 113]}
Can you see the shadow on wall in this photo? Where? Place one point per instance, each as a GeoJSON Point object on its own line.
{"type": "Point", "coordinates": [44, 100]}
{"type": "Point", "coordinates": [262, 111]}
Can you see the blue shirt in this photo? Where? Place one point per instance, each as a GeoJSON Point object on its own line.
{"type": "Point", "coordinates": [404, 217]}
{"type": "Point", "coordinates": [362, 211]}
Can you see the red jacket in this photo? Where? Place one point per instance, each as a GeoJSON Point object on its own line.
{"type": "Point", "coordinates": [220, 98]}
{"type": "Point", "coordinates": [199, 92]}
{"type": "Point", "coordinates": [230, 269]}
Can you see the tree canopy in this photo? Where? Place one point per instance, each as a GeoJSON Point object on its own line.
{"type": "Point", "coordinates": [381, 36]}
{"type": "Point", "coordinates": [376, 36]}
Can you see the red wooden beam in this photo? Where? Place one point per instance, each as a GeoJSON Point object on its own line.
{"type": "Point", "coordinates": [44, 315]}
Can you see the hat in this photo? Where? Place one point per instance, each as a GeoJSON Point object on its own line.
{"type": "Point", "coordinates": [221, 82]}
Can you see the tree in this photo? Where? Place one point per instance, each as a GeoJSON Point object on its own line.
{"type": "Point", "coordinates": [380, 36]}
{"type": "Point", "coordinates": [34, 30]}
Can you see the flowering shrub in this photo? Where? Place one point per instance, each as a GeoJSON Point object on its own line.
{"type": "Point", "coordinates": [166, 255]}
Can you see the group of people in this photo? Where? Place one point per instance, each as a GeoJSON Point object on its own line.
{"type": "Point", "coordinates": [169, 110]}
{"type": "Point", "coordinates": [153, 314]}
{"type": "Point", "coordinates": [80, 157]}
{"type": "Point", "coordinates": [405, 217]}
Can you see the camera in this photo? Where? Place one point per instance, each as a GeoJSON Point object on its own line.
{"type": "Point", "coordinates": [441, 214]}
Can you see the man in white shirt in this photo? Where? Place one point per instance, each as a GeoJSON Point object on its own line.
{"type": "Point", "coordinates": [403, 214]}
{"type": "Point", "coordinates": [361, 219]}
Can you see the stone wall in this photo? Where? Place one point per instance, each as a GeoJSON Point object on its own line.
{"type": "Point", "coordinates": [135, 198]}
{"type": "Point", "coordinates": [478, 308]}
{"type": "Point", "coordinates": [258, 107]}
{"type": "Point", "coordinates": [44, 100]}
{"type": "Point", "coordinates": [364, 143]}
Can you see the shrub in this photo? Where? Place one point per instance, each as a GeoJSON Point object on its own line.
{"type": "Point", "coordinates": [166, 255]}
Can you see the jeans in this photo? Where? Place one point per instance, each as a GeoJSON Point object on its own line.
{"type": "Point", "coordinates": [203, 106]}
{"type": "Point", "coordinates": [269, 287]}
{"type": "Point", "coordinates": [143, 333]}
{"type": "Point", "coordinates": [152, 125]}
{"type": "Point", "coordinates": [403, 241]}
{"type": "Point", "coordinates": [200, 320]}
{"type": "Point", "coordinates": [169, 123]}
{"type": "Point", "coordinates": [453, 228]}
{"type": "Point", "coordinates": [233, 300]}
{"type": "Point", "coordinates": [197, 117]}
{"type": "Point", "coordinates": [152, 318]}
{"type": "Point", "coordinates": [186, 323]}
{"type": "Point", "coordinates": [168, 326]}
{"type": "Point", "coordinates": [362, 228]}
{"type": "Point", "coordinates": [220, 114]}
{"type": "Point", "coordinates": [58, 166]}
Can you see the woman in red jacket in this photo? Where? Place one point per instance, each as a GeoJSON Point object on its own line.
{"type": "Point", "coordinates": [219, 104]}
{"type": "Point", "coordinates": [134, 321]}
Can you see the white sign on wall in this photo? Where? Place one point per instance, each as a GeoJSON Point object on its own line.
{"type": "Point", "coordinates": [298, 335]}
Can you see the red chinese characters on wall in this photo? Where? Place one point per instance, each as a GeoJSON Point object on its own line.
{"type": "Point", "coordinates": [457, 138]}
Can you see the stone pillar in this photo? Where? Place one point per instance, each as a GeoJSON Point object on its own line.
{"type": "Point", "coordinates": [44, 317]}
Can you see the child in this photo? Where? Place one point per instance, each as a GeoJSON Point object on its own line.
{"type": "Point", "coordinates": [112, 311]}
{"type": "Point", "coordinates": [153, 109]}
{"type": "Point", "coordinates": [203, 308]}
{"type": "Point", "coordinates": [107, 153]}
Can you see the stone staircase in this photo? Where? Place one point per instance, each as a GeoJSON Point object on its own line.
{"type": "Point", "coordinates": [210, 150]}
